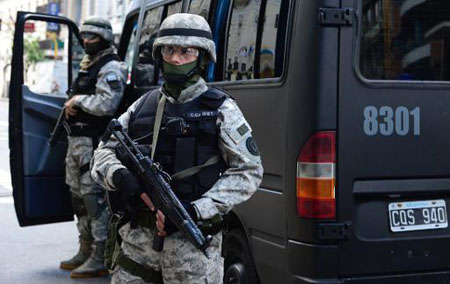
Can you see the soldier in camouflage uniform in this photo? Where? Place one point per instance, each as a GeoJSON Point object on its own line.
{"type": "Point", "coordinates": [202, 133]}
{"type": "Point", "coordinates": [96, 94]}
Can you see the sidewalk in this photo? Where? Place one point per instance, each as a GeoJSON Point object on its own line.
{"type": "Point", "coordinates": [5, 183]}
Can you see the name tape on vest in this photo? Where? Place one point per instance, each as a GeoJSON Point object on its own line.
{"type": "Point", "coordinates": [201, 114]}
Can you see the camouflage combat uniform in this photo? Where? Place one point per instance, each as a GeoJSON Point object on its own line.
{"type": "Point", "coordinates": [180, 261]}
{"type": "Point", "coordinates": [97, 93]}
{"type": "Point", "coordinates": [80, 149]}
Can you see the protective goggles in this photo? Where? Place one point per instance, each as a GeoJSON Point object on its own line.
{"type": "Point", "coordinates": [183, 52]}
{"type": "Point", "coordinates": [88, 36]}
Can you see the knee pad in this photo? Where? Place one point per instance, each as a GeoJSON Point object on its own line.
{"type": "Point", "coordinates": [78, 206]}
{"type": "Point", "coordinates": [94, 205]}
{"type": "Point", "coordinates": [91, 204]}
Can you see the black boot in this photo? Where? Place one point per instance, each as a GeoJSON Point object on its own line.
{"type": "Point", "coordinates": [82, 255]}
{"type": "Point", "coordinates": [94, 266]}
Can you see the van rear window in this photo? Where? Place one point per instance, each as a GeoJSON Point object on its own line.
{"type": "Point", "coordinates": [405, 40]}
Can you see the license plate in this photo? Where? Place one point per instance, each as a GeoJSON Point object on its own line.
{"type": "Point", "coordinates": [417, 215]}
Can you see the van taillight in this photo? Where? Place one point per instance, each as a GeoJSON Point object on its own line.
{"type": "Point", "coordinates": [315, 177]}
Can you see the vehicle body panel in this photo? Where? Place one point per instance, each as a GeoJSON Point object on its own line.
{"type": "Point", "coordinates": [374, 170]}
{"type": "Point", "coordinates": [39, 190]}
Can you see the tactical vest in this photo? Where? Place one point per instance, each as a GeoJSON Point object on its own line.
{"type": "Point", "coordinates": [188, 138]}
{"type": "Point", "coordinates": [85, 84]}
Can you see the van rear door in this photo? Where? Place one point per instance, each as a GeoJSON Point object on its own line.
{"type": "Point", "coordinates": [393, 137]}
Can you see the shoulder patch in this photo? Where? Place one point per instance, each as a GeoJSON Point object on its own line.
{"type": "Point", "coordinates": [111, 77]}
{"type": "Point", "coordinates": [251, 146]}
{"type": "Point", "coordinates": [113, 81]}
{"type": "Point", "coordinates": [238, 131]}
{"type": "Point", "coordinates": [243, 129]}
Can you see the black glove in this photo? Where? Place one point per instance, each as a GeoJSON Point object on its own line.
{"type": "Point", "coordinates": [129, 185]}
{"type": "Point", "coordinates": [170, 227]}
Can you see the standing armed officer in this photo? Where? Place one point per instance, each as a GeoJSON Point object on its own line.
{"type": "Point", "coordinates": [203, 141]}
{"type": "Point", "coordinates": [95, 97]}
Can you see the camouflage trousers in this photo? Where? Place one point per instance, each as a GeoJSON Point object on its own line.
{"type": "Point", "coordinates": [94, 224]}
{"type": "Point", "coordinates": [179, 262]}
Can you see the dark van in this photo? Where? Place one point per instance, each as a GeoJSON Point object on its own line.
{"type": "Point", "coordinates": [349, 101]}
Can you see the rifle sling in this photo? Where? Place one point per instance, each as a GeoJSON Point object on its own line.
{"type": "Point", "coordinates": [146, 273]}
{"type": "Point", "coordinates": [194, 170]}
{"type": "Point", "coordinates": [157, 125]}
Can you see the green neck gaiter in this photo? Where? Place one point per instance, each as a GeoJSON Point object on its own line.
{"type": "Point", "coordinates": [174, 90]}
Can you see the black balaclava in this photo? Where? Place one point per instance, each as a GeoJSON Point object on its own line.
{"type": "Point", "coordinates": [94, 48]}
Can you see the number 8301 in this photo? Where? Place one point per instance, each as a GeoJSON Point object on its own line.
{"type": "Point", "coordinates": [387, 121]}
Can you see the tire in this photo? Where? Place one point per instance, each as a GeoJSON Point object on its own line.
{"type": "Point", "coordinates": [239, 266]}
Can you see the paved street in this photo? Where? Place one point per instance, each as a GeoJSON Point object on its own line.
{"type": "Point", "coordinates": [30, 255]}
{"type": "Point", "coordinates": [5, 177]}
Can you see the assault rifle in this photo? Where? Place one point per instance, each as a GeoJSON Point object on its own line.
{"type": "Point", "coordinates": [60, 125]}
{"type": "Point", "coordinates": [156, 182]}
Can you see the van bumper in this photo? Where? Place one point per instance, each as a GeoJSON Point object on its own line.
{"type": "Point", "coordinates": [319, 264]}
{"type": "Point", "coordinates": [312, 263]}
{"type": "Point", "coordinates": [441, 277]}
{"type": "Point", "coordinates": [419, 278]}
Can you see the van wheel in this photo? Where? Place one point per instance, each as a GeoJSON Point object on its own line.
{"type": "Point", "coordinates": [239, 266]}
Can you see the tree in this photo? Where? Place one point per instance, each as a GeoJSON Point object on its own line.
{"type": "Point", "coordinates": [33, 52]}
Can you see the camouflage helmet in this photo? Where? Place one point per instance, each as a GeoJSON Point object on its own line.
{"type": "Point", "coordinates": [184, 29]}
{"type": "Point", "coordinates": [98, 26]}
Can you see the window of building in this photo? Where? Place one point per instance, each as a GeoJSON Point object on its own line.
{"type": "Point", "coordinates": [405, 40]}
{"type": "Point", "coordinates": [255, 47]}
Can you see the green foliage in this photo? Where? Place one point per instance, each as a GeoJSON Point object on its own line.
{"type": "Point", "coordinates": [32, 51]}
